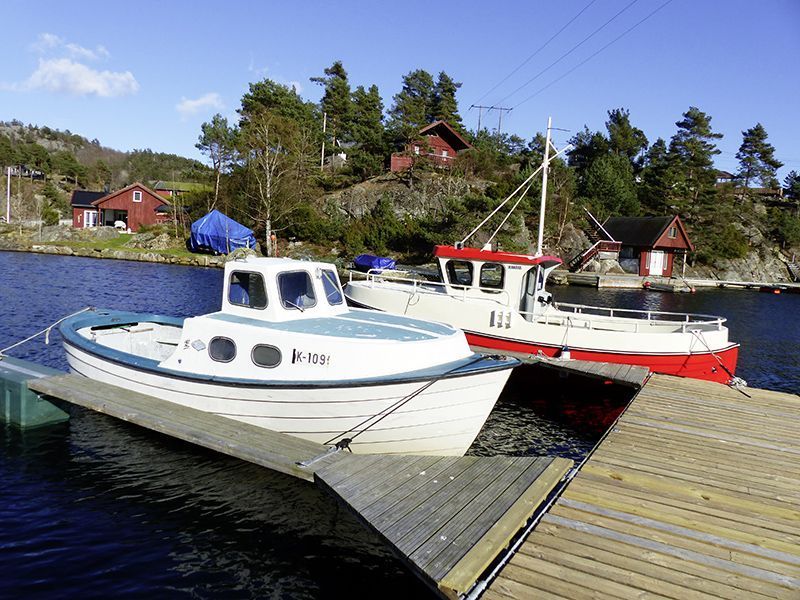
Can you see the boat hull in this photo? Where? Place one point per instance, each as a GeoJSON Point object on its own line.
{"type": "Point", "coordinates": [443, 419]}
{"type": "Point", "coordinates": [696, 365]}
{"type": "Point", "coordinates": [698, 354]}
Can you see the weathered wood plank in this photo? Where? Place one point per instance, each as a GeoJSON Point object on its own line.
{"type": "Point", "coordinates": [478, 558]}
{"type": "Point", "coordinates": [694, 493]}
{"type": "Point", "coordinates": [277, 451]}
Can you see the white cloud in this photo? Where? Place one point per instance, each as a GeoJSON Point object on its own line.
{"type": "Point", "coordinates": [49, 43]}
{"type": "Point", "coordinates": [188, 107]}
{"type": "Point", "coordinates": [62, 75]}
{"type": "Point", "coordinates": [76, 51]}
{"type": "Point", "coordinates": [45, 42]}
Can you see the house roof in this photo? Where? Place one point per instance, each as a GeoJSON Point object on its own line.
{"type": "Point", "coordinates": [637, 231]}
{"type": "Point", "coordinates": [85, 198]}
{"type": "Point", "coordinates": [106, 197]}
{"type": "Point", "coordinates": [447, 133]}
{"type": "Point", "coordinates": [725, 175]}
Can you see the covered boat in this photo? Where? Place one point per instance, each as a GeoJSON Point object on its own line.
{"type": "Point", "coordinates": [218, 233]}
{"type": "Point", "coordinates": [286, 353]}
{"type": "Point", "coordinates": [500, 301]}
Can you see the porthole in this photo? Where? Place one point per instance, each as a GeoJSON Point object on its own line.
{"type": "Point", "coordinates": [265, 355]}
{"type": "Point", "coordinates": [222, 349]}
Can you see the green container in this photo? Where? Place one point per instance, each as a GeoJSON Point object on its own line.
{"type": "Point", "coordinates": [20, 406]}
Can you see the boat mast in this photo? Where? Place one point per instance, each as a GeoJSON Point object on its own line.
{"type": "Point", "coordinates": [545, 168]}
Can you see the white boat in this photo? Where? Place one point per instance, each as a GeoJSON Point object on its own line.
{"type": "Point", "coordinates": [500, 301]}
{"type": "Point", "coordinates": [287, 354]}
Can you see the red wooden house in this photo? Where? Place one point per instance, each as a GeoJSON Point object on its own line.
{"type": "Point", "coordinates": [652, 241]}
{"type": "Point", "coordinates": [131, 207]}
{"type": "Point", "coordinates": [438, 142]}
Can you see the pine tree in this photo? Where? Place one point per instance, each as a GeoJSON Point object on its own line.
{"type": "Point", "coordinates": [625, 139]}
{"type": "Point", "coordinates": [413, 106]}
{"type": "Point", "coordinates": [444, 105]}
{"type": "Point", "coordinates": [366, 158]}
{"type": "Point", "coordinates": [757, 160]}
{"type": "Point", "coordinates": [656, 182]}
{"type": "Point", "coordinates": [791, 185]}
{"type": "Point", "coordinates": [336, 101]}
{"type": "Point", "coordinates": [218, 141]}
{"type": "Point", "coordinates": [691, 152]}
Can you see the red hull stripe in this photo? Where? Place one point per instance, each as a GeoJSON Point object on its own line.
{"type": "Point", "coordinates": [698, 366]}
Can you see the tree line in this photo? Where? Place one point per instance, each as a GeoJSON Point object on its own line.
{"type": "Point", "coordinates": [269, 169]}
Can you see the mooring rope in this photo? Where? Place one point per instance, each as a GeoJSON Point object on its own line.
{"type": "Point", "coordinates": [380, 416]}
{"type": "Point", "coordinates": [45, 331]}
{"type": "Point", "coordinates": [735, 382]}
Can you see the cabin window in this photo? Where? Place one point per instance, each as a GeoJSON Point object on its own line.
{"type": "Point", "coordinates": [330, 283]}
{"type": "Point", "coordinates": [444, 153]}
{"type": "Point", "coordinates": [137, 196]}
{"type": "Point", "coordinates": [222, 349]}
{"type": "Point", "coordinates": [266, 356]}
{"type": "Point", "coordinates": [247, 289]}
{"type": "Point", "coordinates": [297, 290]}
{"type": "Point", "coordinates": [459, 272]}
{"type": "Point", "coordinates": [673, 232]}
{"type": "Point", "coordinates": [492, 276]}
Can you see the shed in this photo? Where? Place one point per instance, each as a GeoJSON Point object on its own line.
{"type": "Point", "coordinates": [649, 244]}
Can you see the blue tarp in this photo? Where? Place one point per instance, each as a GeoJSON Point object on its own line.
{"type": "Point", "coordinates": [219, 233]}
{"type": "Point", "coordinates": [365, 262]}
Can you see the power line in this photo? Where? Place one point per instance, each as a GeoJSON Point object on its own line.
{"type": "Point", "coordinates": [542, 47]}
{"type": "Point", "coordinates": [570, 51]}
{"type": "Point", "coordinates": [591, 56]}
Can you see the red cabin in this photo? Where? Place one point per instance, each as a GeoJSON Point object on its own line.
{"type": "Point", "coordinates": [128, 208]}
{"type": "Point", "coordinates": [438, 142]}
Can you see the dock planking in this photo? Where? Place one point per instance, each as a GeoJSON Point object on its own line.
{"type": "Point", "coordinates": [447, 518]}
{"type": "Point", "coordinates": [695, 493]}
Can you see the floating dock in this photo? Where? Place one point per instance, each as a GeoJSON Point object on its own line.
{"type": "Point", "coordinates": [447, 518]}
{"type": "Point", "coordinates": [694, 493]}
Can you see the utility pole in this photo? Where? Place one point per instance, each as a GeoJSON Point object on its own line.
{"type": "Point", "coordinates": [8, 195]}
{"type": "Point", "coordinates": [500, 109]}
{"type": "Point", "coordinates": [322, 154]}
{"type": "Point", "coordinates": [480, 108]}
{"type": "Point", "coordinates": [489, 109]}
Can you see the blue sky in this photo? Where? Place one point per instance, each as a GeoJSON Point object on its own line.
{"type": "Point", "coordinates": [147, 74]}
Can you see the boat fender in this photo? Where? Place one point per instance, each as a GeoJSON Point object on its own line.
{"type": "Point", "coordinates": [565, 354]}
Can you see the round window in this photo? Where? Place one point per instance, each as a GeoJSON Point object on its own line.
{"type": "Point", "coordinates": [222, 349]}
{"type": "Point", "coordinates": [266, 356]}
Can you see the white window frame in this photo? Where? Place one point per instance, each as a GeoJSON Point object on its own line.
{"type": "Point", "coordinates": [444, 154]}
{"type": "Point", "coordinates": [135, 194]}
{"type": "Point", "coordinates": [416, 149]}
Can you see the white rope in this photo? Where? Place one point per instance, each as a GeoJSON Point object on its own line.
{"type": "Point", "coordinates": [46, 331]}
{"type": "Point", "coordinates": [734, 382]}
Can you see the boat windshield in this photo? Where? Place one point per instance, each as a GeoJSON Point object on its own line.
{"type": "Point", "coordinates": [296, 290]}
{"type": "Point", "coordinates": [330, 283]}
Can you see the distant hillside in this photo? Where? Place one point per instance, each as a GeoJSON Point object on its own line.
{"type": "Point", "coordinates": [86, 163]}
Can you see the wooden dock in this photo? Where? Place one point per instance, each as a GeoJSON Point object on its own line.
{"type": "Point", "coordinates": [628, 375]}
{"type": "Point", "coordinates": [695, 493]}
{"type": "Point", "coordinates": [447, 518]}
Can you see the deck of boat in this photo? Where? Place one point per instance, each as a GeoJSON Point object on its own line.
{"type": "Point", "coordinates": [447, 518]}
{"type": "Point", "coordinates": [695, 493]}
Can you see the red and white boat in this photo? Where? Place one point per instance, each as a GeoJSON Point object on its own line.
{"type": "Point", "coordinates": [500, 301]}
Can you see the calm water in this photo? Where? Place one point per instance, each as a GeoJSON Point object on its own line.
{"type": "Point", "coordinates": [96, 507]}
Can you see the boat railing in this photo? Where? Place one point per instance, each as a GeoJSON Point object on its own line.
{"type": "Point", "coordinates": [581, 315]}
{"type": "Point", "coordinates": [426, 286]}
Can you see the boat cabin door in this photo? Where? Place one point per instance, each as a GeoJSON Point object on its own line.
{"type": "Point", "coordinates": [534, 296]}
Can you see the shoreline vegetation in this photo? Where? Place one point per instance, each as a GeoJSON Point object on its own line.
{"type": "Point", "coordinates": [158, 246]}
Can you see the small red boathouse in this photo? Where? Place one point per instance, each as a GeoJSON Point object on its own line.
{"type": "Point", "coordinates": [652, 241]}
